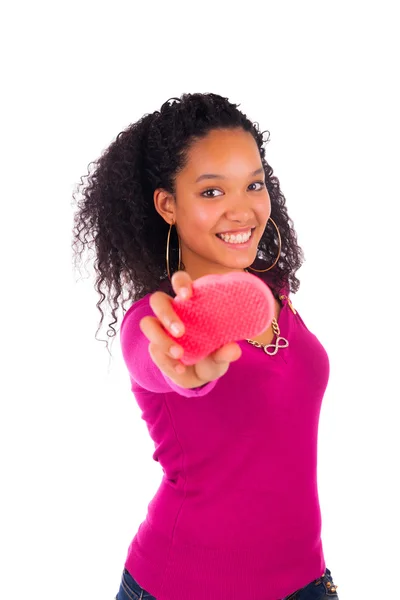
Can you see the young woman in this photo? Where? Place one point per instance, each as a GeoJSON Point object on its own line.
{"type": "Point", "coordinates": [185, 192]}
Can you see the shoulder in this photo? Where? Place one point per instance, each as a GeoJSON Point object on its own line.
{"type": "Point", "coordinates": [141, 308]}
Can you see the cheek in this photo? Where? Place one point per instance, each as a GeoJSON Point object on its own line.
{"type": "Point", "coordinates": [262, 208]}
{"type": "Point", "coordinates": [207, 217]}
{"type": "Point", "coordinates": [201, 218]}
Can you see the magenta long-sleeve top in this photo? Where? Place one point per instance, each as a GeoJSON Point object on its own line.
{"type": "Point", "coordinates": [237, 513]}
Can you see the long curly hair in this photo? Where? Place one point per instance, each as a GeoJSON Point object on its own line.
{"type": "Point", "coordinates": [116, 213]}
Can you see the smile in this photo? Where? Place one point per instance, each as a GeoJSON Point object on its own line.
{"type": "Point", "coordinates": [241, 240]}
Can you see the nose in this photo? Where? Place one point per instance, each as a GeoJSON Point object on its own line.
{"type": "Point", "coordinates": [239, 210]}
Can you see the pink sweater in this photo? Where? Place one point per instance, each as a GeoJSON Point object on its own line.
{"type": "Point", "coordinates": [237, 513]}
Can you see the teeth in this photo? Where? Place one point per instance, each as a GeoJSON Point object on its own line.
{"type": "Point", "coordinates": [235, 239]}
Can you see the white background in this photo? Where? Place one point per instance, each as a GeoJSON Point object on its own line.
{"type": "Point", "coordinates": [322, 77]}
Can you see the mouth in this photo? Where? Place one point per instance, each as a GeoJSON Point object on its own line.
{"type": "Point", "coordinates": [241, 240]}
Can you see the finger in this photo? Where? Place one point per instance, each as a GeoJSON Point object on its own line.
{"type": "Point", "coordinates": [182, 284]}
{"type": "Point", "coordinates": [167, 365]}
{"type": "Point", "coordinates": [161, 305]}
{"type": "Point", "coordinates": [156, 335]}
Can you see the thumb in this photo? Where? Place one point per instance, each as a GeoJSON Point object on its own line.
{"type": "Point", "coordinates": [228, 353]}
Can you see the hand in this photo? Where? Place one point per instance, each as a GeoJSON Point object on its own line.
{"type": "Point", "coordinates": [166, 354]}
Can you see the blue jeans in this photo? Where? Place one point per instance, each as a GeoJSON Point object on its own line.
{"type": "Point", "coordinates": [320, 588]}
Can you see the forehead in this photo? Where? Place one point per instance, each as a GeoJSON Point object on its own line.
{"type": "Point", "coordinates": [233, 151]}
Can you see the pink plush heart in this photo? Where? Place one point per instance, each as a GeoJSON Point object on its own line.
{"type": "Point", "coordinates": [223, 308]}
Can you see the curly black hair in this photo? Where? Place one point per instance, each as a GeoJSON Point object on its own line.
{"type": "Point", "coordinates": [117, 215]}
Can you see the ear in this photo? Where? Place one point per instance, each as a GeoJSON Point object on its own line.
{"type": "Point", "coordinates": [164, 203]}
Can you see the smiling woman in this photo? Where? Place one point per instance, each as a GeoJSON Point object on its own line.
{"type": "Point", "coordinates": [155, 171]}
{"type": "Point", "coordinates": [218, 233]}
{"type": "Point", "coordinates": [236, 433]}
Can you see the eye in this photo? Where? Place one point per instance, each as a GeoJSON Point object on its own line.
{"type": "Point", "coordinates": [206, 192]}
{"type": "Point", "coordinates": [260, 183]}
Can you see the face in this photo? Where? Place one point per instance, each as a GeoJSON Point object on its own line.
{"type": "Point", "coordinates": [220, 192]}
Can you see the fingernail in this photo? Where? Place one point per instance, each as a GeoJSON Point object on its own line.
{"type": "Point", "coordinates": [175, 328]}
{"type": "Point", "coordinates": [175, 351]}
{"type": "Point", "coordinates": [184, 293]}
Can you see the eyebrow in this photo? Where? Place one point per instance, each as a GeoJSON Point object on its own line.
{"type": "Point", "coordinates": [214, 176]}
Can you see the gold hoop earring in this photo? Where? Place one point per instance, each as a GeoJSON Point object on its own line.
{"type": "Point", "coordinates": [167, 252]}
{"type": "Point", "coordinates": [277, 258]}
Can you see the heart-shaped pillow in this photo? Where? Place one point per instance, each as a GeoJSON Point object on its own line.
{"type": "Point", "coordinates": [222, 309]}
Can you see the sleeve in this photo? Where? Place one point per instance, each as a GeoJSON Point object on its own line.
{"type": "Point", "coordinates": [142, 370]}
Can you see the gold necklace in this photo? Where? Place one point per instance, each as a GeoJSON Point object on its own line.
{"type": "Point", "coordinates": [277, 346]}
